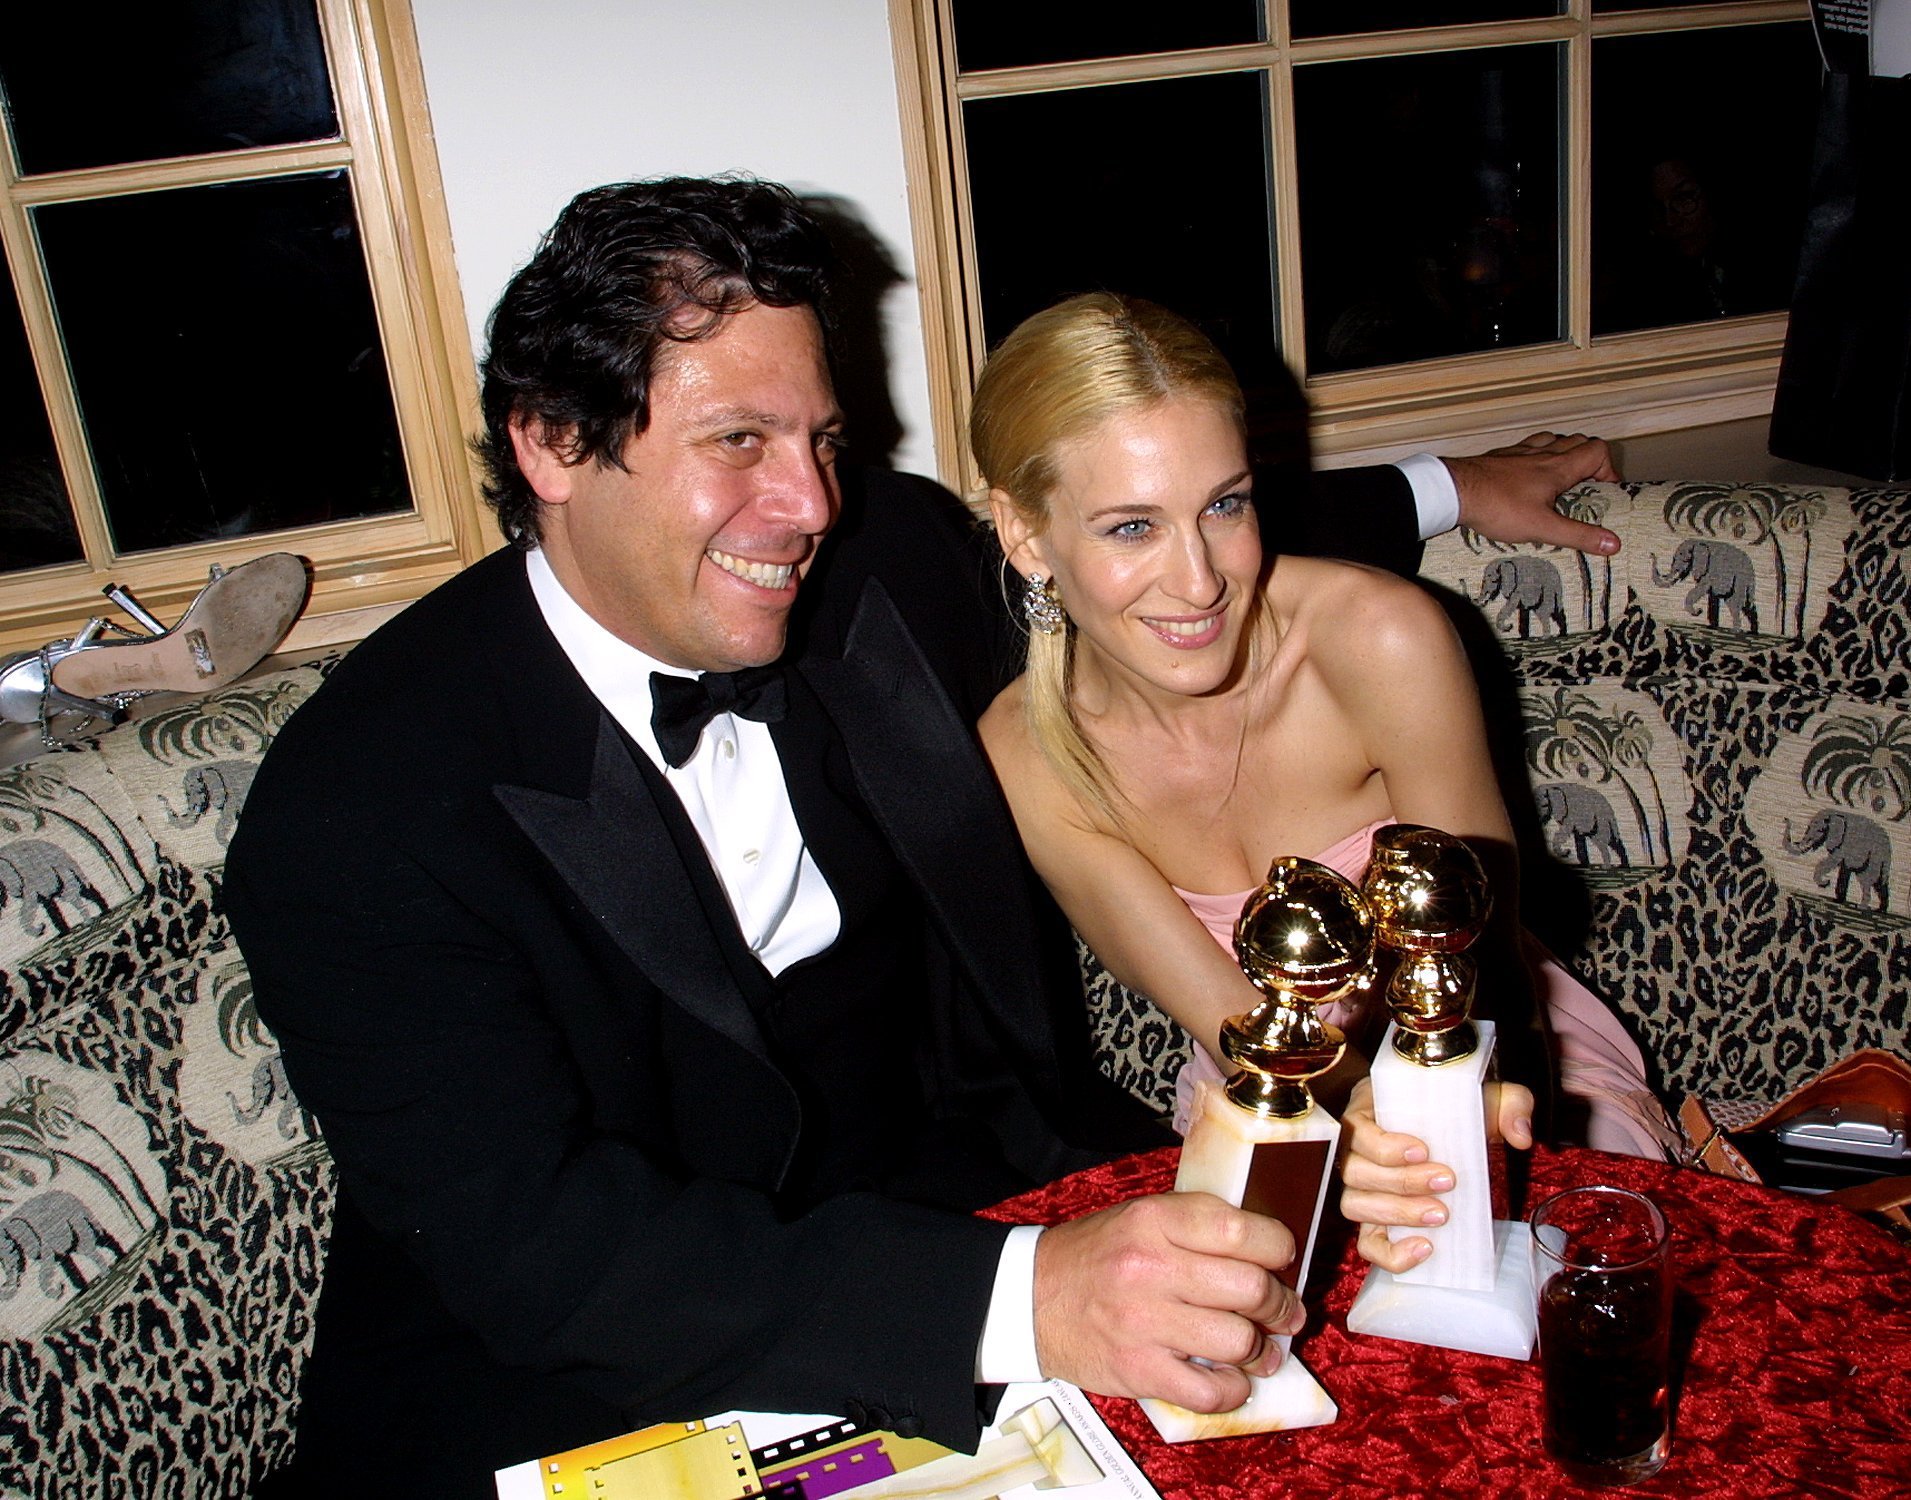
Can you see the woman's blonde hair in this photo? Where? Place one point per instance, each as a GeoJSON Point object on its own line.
{"type": "Point", "coordinates": [1057, 378]}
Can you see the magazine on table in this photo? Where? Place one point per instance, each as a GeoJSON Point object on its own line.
{"type": "Point", "coordinates": [1045, 1434]}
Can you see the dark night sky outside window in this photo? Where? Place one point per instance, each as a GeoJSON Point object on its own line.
{"type": "Point", "coordinates": [1310, 18]}
{"type": "Point", "coordinates": [145, 82]}
{"type": "Point", "coordinates": [1436, 216]}
{"type": "Point", "coordinates": [36, 524]}
{"type": "Point", "coordinates": [1157, 190]}
{"type": "Point", "coordinates": [1701, 144]}
{"type": "Point", "coordinates": [227, 358]}
{"type": "Point", "coordinates": [1429, 205]}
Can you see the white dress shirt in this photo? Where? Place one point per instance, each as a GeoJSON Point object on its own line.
{"type": "Point", "coordinates": [732, 788]}
{"type": "Point", "coordinates": [1436, 499]}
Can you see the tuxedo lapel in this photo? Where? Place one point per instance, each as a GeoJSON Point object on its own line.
{"type": "Point", "coordinates": [923, 777]}
{"type": "Point", "coordinates": [613, 847]}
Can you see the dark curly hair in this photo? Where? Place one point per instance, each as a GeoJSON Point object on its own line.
{"type": "Point", "coordinates": [574, 339]}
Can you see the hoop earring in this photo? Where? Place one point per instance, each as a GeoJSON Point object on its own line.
{"type": "Point", "coordinates": [1042, 607]}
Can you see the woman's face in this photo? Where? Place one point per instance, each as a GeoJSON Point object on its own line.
{"type": "Point", "coordinates": [1153, 545]}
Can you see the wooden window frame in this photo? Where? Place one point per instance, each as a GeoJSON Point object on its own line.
{"type": "Point", "coordinates": [363, 570]}
{"type": "Point", "coordinates": [1618, 385]}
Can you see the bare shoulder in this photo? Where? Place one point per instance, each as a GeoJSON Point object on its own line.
{"type": "Point", "coordinates": [1004, 724]}
{"type": "Point", "coordinates": [1345, 602]}
{"type": "Point", "coordinates": [1364, 623]}
{"type": "Point", "coordinates": [1010, 745]}
{"type": "Point", "coordinates": [1042, 806]}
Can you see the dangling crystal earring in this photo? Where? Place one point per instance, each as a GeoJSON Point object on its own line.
{"type": "Point", "coordinates": [1042, 606]}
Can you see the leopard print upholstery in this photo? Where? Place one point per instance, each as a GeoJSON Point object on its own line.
{"type": "Point", "coordinates": [164, 1201]}
{"type": "Point", "coordinates": [1710, 743]}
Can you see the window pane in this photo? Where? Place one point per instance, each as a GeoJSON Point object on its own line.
{"type": "Point", "coordinates": [36, 523]}
{"type": "Point", "coordinates": [1699, 197]}
{"type": "Point", "coordinates": [227, 358]}
{"type": "Point", "coordinates": [1170, 204]}
{"type": "Point", "coordinates": [1006, 34]}
{"type": "Point", "coordinates": [140, 82]}
{"type": "Point", "coordinates": [1429, 204]}
{"type": "Point", "coordinates": [1335, 17]}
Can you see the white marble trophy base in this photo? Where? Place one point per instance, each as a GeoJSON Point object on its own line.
{"type": "Point", "coordinates": [1475, 1291]}
{"type": "Point", "coordinates": [1219, 1158]}
{"type": "Point", "coordinates": [1498, 1321]}
{"type": "Point", "coordinates": [1290, 1398]}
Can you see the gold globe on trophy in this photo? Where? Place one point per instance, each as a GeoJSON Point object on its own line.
{"type": "Point", "coordinates": [1260, 1140]}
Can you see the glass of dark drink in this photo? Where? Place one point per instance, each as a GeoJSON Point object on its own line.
{"type": "Point", "coordinates": [1603, 1268]}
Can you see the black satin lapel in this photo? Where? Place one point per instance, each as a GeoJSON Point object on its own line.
{"type": "Point", "coordinates": [923, 775]}
{"type": "Point", "coordinates": [614, 851]}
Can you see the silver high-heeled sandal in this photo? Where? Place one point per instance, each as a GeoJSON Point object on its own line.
{"type": "Point", "coordinates": [28, 696]}
{"type": "Point", "coordinates": [228, 629]}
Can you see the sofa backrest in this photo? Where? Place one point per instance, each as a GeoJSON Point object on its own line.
{"type": "Point", "coordinates": [1714, 728]}
{"type": "Point", "coordinates": [163, 1199]}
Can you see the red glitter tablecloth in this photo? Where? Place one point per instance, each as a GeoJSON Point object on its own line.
{"type": "Point", "coordinates": [1792, 1361]}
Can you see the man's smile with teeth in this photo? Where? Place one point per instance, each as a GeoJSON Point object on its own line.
{"type": "Point", "coordinates": [763, 575]}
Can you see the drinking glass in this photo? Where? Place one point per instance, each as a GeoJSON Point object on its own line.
{"type": "Point", "coordinates": [1602, 1267]}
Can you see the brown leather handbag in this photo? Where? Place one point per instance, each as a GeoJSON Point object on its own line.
{"type": "Point", "coordinates": [1873, 1078]}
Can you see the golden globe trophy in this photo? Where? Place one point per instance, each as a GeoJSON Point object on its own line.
{"type": "Point", "coordinates": [1259, 1140]}
{"type": "Point", "coordinates": [1430, 901]}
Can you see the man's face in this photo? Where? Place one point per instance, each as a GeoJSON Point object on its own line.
{"type": "Point", "coordinates": [694, 550]}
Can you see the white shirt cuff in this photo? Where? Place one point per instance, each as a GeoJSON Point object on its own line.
{"type": "Point", "coordinates": [1435, 496]}
{"type": "Point", "coordinates": [1006, 1353]}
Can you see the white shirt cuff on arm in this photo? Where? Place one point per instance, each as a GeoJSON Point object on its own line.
{"type": "Point", "coordinates": [1434, 495]}
{"type": "Point", "coordinates": [1006, 1353]}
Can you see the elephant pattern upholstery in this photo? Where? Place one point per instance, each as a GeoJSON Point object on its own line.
{"type": "Point", "coordinates": [1581, 820]}
{"type": "Point", "coordinates": [1854, 848]}
{"type": "Point", "coordinates": [55, 1233]}
{"type": "Point", "coordinates": [1714, 804]}
{"type": "Point", "coordinates": [44, 887]}
{"type": "Point", "coordinates": [1531, 589]}
{"type": "Point", "coordinates": [1720, 574]}
{"type": "Point", "coordinates": [214, 788]}
{"type": "Point", "coordinates": [164, 1200]}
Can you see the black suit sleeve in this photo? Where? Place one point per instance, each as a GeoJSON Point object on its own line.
{"type": "Point", "coordinates": [1363, 515]}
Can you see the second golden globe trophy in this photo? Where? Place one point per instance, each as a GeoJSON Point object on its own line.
{"type": "Point", "coordinates": [1431, 1077]}
{"type": "Point", "coordinates": [1259, 1140]}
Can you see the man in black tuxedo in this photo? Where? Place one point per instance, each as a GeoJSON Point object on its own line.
{"type": "Point", "coordinates": [642, 925]}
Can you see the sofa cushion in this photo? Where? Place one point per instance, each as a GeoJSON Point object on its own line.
{"type": "Point", "coordinates": [1739, 925]}
{"type": "Point", "coordinates": [186, 769]}
{"type": "Point", "coordinates": [164, 1200]}
{"type": "Point", "coordinates": [76, 869]}
{"type": "Point", "coordinates": [1713, 729]}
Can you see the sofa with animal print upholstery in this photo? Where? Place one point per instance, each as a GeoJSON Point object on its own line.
{"type": "Point", "coordinates": [1706, 742]}
{"type": "Point", "coordinates": [163, 1199]}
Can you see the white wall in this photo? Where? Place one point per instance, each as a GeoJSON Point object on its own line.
{"type": "Point", "coordinates": [532, 103]}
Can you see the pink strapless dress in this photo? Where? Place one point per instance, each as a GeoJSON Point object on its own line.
{"type": "Point", "coordinates": [1599, 1065]}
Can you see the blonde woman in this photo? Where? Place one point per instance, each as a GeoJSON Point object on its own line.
{"type": "Point", "coordinates": [1192, 708]}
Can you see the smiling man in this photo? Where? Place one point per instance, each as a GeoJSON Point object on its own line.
{"type": "Point", "coordinates": [640, 922]}
{"type": "Point", "coordinates": [692, 544]}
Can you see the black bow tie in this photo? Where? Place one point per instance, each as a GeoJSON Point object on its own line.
{"type": "Point", "coordinates": [681, 706]}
